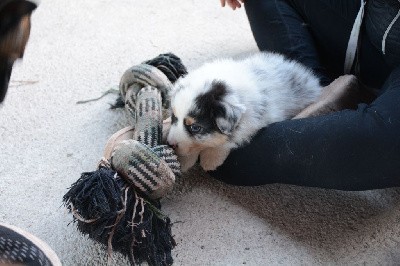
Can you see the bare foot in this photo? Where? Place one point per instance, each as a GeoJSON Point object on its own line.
{"type": "Point", "coordinates": [342, 93]}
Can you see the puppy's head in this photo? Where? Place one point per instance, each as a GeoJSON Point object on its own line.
{"type": "Point", "coordinates": [203, 116]}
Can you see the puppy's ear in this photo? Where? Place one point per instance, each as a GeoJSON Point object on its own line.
{"type": "Point", "coordinates": [231, 115]}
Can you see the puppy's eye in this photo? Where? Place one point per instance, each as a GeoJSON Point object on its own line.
{"type": "Point", "coordinates": [195, 128]}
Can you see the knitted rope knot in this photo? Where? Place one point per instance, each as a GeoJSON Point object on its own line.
{"type": "Point", "coordinates": [118, 204]}
{"type": "Point", "coordinates": [137, 77]}
{"type": "Point", "coordinates": [144, 162]}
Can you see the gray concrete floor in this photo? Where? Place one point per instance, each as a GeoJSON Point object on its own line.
{"type": "Point", "coordinates": [79, 49]}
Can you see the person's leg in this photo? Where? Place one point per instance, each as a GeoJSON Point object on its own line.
{"type": "Point", "coordinates": [330, 23]}
{"type": "Point", "coordinates": [277, 27]}
{"type": "Point", "coordinates": [347, 150]}
{"type": "Point", "coordinates": [313, 32]}
{"type": "Point", "coordinates": [316, 33]}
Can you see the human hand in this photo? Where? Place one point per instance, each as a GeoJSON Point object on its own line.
{"type": "Point", "coordinates": [232, 3]}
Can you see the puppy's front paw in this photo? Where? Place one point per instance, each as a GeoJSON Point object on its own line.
{"type": "Point", "coordinates": [188, 161]}
{"type": "Point", "coordinates": [211, 158]}
{"type": "Point", "coordinates": [209, 165]}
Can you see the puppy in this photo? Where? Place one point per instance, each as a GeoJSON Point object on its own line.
{"type": "Point", "coordinates": [221, 105]}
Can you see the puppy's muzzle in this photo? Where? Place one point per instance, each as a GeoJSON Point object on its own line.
{"type": "Point", "coordinates": [172, 144]}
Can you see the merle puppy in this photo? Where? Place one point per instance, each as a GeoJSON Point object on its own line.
{"type": "Point", "coordinates": [222, 104]}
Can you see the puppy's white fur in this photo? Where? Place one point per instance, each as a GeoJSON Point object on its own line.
{"type": "Point", "coordinates": [259, 90]}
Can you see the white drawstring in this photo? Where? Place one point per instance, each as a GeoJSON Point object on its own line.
{"type": "Point", "coordinates": [388, 29]}
{"type": "Point", "coordinates": [352, 44]}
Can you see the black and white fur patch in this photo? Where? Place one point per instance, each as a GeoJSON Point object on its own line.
{"type": "Point", "coordinates": [215, 111]}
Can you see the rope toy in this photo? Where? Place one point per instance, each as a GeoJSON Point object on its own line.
{"type": "Point", "coordinates": [118, 205]}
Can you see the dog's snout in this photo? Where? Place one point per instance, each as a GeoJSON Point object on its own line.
{"type": "Point", "coordinates": [173, 145]}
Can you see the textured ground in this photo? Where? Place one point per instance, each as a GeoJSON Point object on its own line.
{"type": "Point", "coordinates": [79, 49]}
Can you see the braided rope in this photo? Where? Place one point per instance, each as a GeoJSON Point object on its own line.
{"type": "Point", "coordinates": [118, 204]}
{"type": "Point", "coordinates": [137, 77]}
{"type": "Point", "coordinates": [149, 117]}
{"type": "Point", "coordinates": [143, 161]}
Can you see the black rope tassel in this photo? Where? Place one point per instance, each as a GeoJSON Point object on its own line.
{"type": "Point", "coordinates": [111, 213]}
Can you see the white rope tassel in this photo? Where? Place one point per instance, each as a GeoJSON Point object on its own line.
{"type": "Point", "coordinates": [352, 44]}
{"type": "Point", "coordinates": [387, 31]}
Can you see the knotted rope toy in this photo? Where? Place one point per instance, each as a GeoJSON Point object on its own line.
{"type": "Point", "coordinates": [118, 205]}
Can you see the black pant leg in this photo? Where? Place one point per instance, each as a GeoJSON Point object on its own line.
{"type": "Point", "coordinates": [316, 33]}
{"type": "Point", "coordinates": [347, 150]}
{"type": "Point", "coordinates": [278, 27]}
{"type": "Point", "coordinates": [330, 23]}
